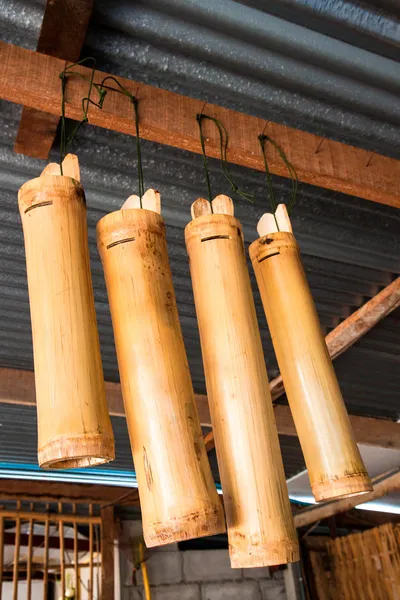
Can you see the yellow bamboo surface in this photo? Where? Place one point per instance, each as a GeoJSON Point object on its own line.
{"type": "Point", "coordinates": [177, 492]}
{"type": "Point", "coordinates": [258, 513]}
{"type": "Point", "coordinates": [74, 428]}
{"type": "Point", "coordinates": [331, 454]}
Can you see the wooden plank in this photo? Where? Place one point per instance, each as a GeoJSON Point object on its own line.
{"type": "Point", "coordinates": [382, 487]}
{"type": "Point", "coordinates": [18, 387]}
{"type": "Point", "coordinates": [32, 79]}
{"type": "Point", "coordinates": [52, 491]}
{"type": "Point", "coordinates": [107, 553]}
{"type": "Point", "coordinates": [354, 327]}
{"type": "Point", "coordinates": [48, 517]}
{"type": "Point", "coordinates": [62, 35]}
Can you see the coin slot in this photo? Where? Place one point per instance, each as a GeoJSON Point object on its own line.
{"type": "Point", "coordinates": [268, 256]}
{"type": "Point", "coordinates": [216, 237]}
{"type": "Point", "coordinates": [124, 241]}
{"type": "Point", "coordinates": [38, 205]}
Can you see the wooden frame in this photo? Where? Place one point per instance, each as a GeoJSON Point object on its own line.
{"type": "Point", "coordinates": [32, 79]}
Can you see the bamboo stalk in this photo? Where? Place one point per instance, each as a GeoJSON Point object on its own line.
{"type": "Point", "coordinates": [46, 558]}
{"type": "Point", "coordinates": [16, 558]}
{"type": "Point", "coordinates": [29, 561]}
{"type": "Point", "coordinates": [177, 492]}
{"type": "Point", "coordinates": [331, 454]}
{"type": "Point", "coordinates": [259, 518]}
{"type": "Point", "coordinates": [90, 554]}
{"type": "Point", "coordinates": [74, 428]}
{"type": "Point", "coordinates": [1, 555]}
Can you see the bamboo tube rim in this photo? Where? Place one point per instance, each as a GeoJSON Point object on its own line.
{"type": "Point", "coordinates": [27, 201]}
{"type": "Point", "coordinates": [345, 487]}
{"type": "Point", "coordinates": [96, 449]}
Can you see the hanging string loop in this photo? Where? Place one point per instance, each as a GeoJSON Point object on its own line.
{"type": "Point", "coordinates": [102, 89]}
{"type": "Point", "coordinates": [263, 139]}
{"type": "Point", "coordinates": [224, 140]}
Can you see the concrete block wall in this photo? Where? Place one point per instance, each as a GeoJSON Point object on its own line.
{"type": "Point", "coordinates": [193, 574]}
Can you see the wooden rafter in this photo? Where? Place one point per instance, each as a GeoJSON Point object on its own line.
{"type": "Point", "coordinates": [18, 387]}
{"type": "Point", "coordinates": [382, 486]}
{"type": "Point", "coordinates": [354, 327]}
{"type": "Point", "coordinates": [52, 491]}
{"type": "Point", "coordinates": [62, 35]}
{"type": "Point", "coordinates": [32, 79]}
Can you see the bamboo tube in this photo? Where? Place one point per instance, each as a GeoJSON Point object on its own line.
{"type": "Point", "coordinates": [258, 513]}
{"type": "Point", "coordinates": [177, 493]}
{"type": "Point", "coordinates": [331, 454]}
{"type": "Point", "coordinates": [74, 428]}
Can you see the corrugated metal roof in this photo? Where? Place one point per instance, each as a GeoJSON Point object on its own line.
{"type": "Point", "coordinates": [283, 68]}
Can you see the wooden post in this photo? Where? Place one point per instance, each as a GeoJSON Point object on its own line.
{"type": "Point", "coordinates": [259, 518]}
{"type": "Point", "coordinates": [62, 552]}
{"type": "Point", "coordinates": [177, 492]}
{"type": "Point", "coordinates": [29, 560]}
{"type": "Point", "coordinates": [16, 557]}
{"type": "Point", "coordinates": [333, 460]}
{"type": "Point", "coordinates": [1, 555]}
{"type": "Point", "coordinates": [107, 553]}
{"type": "Point", "coordinates": [46, 558]}
{"type": "Point", "coordinates": [74, 427]}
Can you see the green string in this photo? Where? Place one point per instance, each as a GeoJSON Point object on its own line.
{"type": "Point", "coordinates": [223, 139]}
{"type": "Point", "coordinates": [102, 90]}
{"type": "Point", "coordinates": [292, 172]}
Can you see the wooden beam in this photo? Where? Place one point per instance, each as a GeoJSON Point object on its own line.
{"type": "Point", "coordinates": [382, 487]}
{"type": "Point", "coordinates": [107, 553]}
{"type": "Point", "coordinates": [62, 35]}
{"type": "Point", "coordinates": [18, 387]}
{"type": "Point", "coordinates": [32, 79]}
{"type": "Point", "coordinates": [354, 327]}
{"type": "Point", "coordinates": [52, 491]}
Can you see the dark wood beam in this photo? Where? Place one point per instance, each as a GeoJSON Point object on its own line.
{"type": "Point", "coordinates": [107, 553]}
{"type": "Point", "coordinates": [18, 387]}
{"type": "Point", "coordinates": [32, 79]}
{"type": "Point", "coordinates": [52, 491]}
{"type": "Point", "coordinates": [62, 35]}
{"type": "Point", "coordinates": [354, 327]}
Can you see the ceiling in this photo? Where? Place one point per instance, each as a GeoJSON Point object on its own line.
{"type": "Point", "coordinates": [327, 68]}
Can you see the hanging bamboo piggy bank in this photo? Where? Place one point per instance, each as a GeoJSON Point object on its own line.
{"type": "Point", "coordinates": [178, 497]}
{"type": "Point", "coordinates": [333, 460]}
{"type": "Point", "coordinates": [259, 518]}
{"type": "Point", "coordinates": [74, 428]}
